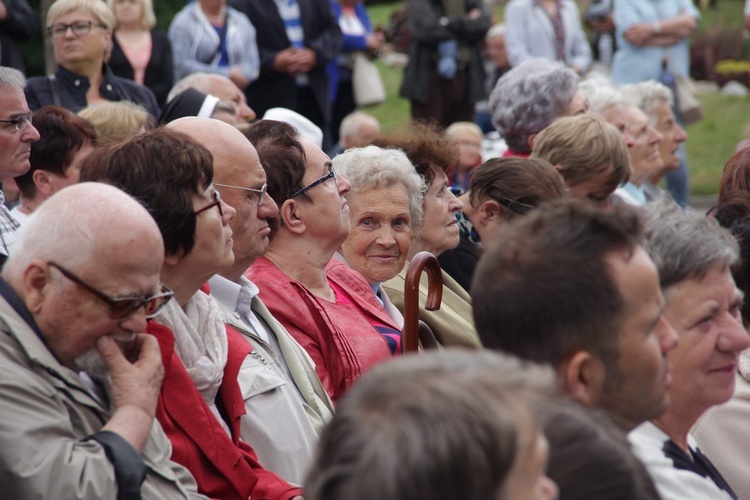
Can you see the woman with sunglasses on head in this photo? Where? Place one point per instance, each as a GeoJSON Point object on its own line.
{"type": "Point", "coordinates": [500, 190]}
{"type": "Point", "coordinates": [327, 307]}
{"type": "Point", "coordinates": [81, 33]}
{"type": "Point", "coordinates": [172, 176]}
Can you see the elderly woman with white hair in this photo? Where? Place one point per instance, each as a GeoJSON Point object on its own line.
{"type": "Point", "coordinates": [531, 96]}
{"type": "Point", "coordinates": [385, 209]}
{"type": "Point", "coordinates": [655, 99]}
{"type": "Point", "coordinates": [609, 103]}
{"type": "Point", "coordinates": [693, 255]}
{"type": "Point", "coordinates": [81, 33]}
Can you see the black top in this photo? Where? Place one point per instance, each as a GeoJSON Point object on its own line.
{"type": "Point", "coordinates": [73, 88]}
{"type": "Point", "coordinates": [698, 463]}
{"type": "Point", "coordinates": [159, 75]}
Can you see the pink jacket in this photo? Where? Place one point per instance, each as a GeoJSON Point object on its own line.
{"type": "Point", "coordinates": [339, 338]}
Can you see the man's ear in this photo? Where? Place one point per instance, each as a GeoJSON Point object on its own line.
{"type": "Point", "coordinates": [289, 215]}
{"type": "Point", "coordinates": [583, 377]}
{"type": "Point", "coordinates": [35, 281]}
{"type": "Point", "coordinates": [42, 182]}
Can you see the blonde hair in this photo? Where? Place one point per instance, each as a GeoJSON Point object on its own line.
{"type": "Point", "coordinates": [97, 8]}
{"type": "Point", "coordinates": [120, 118]}
{"type": "Point", "coordinates": [148, 18]}
{"type": "Point", "coordinates": [469, 127]}
{"type": "Point", "coordinates": [583, 146]}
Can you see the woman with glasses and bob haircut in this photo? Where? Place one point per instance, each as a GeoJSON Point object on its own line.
{"type": "Point", "coordinates": [172, 176]}
{"type": "Point", "coordinates": [327, 307]}
{"type": "Point", "coordinates": [81, 33]}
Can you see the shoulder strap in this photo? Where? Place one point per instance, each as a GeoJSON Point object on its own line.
{"type": "Point", "coordinates": [222, 38]}
{"type": "Point", "coordinates": [54, 84]}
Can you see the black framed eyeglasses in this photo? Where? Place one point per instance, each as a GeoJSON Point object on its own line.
{"type": "Point", "coordinates": [216, 202]}
{"type": "Point", "coordinates": [19, 121]}
{"type": "Point", "coordinates": [331, 175]}
{"type": "Point", "coordinates": [515, 206]}
{"type": "Point", "coordinates": [121, 307]}
{"type": "Point", "coordinates": [79, 28]}
{"type": "Point", "coordinates": [260, 192]}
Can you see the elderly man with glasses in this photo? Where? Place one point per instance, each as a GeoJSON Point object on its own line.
{"type": "Point", "coordinates": [78, 381]}
{"type": "Point", "coordinates": [16, 135]}
{"type": "Point", "coordinates": [282, 427]}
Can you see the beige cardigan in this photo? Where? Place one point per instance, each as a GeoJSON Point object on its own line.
{"type": "Point", "coordinates": [453, 323]}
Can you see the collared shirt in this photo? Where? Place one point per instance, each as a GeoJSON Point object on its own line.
{"type": "Point", "coordinates": [631, 194]}
{"type": "Point", "coordinates": [8, 227]}
{"type": "Point", "coordinates": [239, 298]}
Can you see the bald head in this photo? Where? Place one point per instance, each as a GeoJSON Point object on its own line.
{"type": "Point", "coordinates": [84, 222]}
{"type": "Point", "coordinates": [233, 153]}
{"type": "Point", "coordinates": [219, 86]}
{"type": "Point", "coordinates": [239, 176]}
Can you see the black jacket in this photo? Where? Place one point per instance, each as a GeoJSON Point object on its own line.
{"type": "Point", "coordinates": [73, 88]}
{"type": "Point", "coordinates": [322, 35]}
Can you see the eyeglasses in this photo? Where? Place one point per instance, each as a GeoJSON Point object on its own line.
{"type": "Point", "coordinates": [79, 28]}
{"type": "Point", "coordinates": [122, 307]}
{"type": "Point", "coordinates": [515, 206]}
{"type": "Point", "coordinates": [261, 192]}
{"type": "Point", "coordinates": [331, 175]}
{"type": "Point", "coordinates": [216, 197]}
{"type": "Point", "coordinates": [19, 122]}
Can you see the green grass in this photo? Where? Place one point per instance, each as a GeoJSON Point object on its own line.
{"type": "Point", "coordinates": [711, 142]}
{"type": "Point", "coordinates": [394, 112]}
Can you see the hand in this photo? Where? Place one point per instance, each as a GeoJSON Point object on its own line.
{"type": "Point", "coordinates": [3, 11]}
{"type": "Point", "coordinates": [606, 24]}
{"type": "Point", "coordinates": [374, 41]}
{"type": "Point", "coordinates": [134, 384]}
{"type": "Point", "coordinates": [305, 60]}
{"type": "Point", "coordinates": [474, 13]}
{"type": "Point", "coordinates": [238, 78]}
{"type": "Point", "coordinates": [639, 33]}
{"type": "Point", "coordinates": [283, 60]}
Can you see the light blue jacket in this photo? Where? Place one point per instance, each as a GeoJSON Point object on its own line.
{"type": "Point", "coordinates": [195, 43]}
{"type": "Point", "coordinates": [529, 34]}
{"type": "Point", "coordinates": [633, 64]}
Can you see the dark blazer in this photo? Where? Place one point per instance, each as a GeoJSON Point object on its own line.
{"type": "Point", "coordinates": [427, 32]}
{"type": "Point", "coordinates": [159, 74]}
{"type": "Point", "coordinates": [73, 88]}
{"type": "Point", "coordinates": [322, 34]}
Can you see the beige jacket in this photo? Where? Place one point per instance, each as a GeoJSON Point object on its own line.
{"type": "Point", "coordinates": [453, 323]}
{"type": "Point", "coordinates": [282, 427]}
{"type": "Point", "coordinates": [45, 413]}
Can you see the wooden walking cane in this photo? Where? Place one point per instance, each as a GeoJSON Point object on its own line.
{"type": "Point", "coordinates": [410, 333]}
